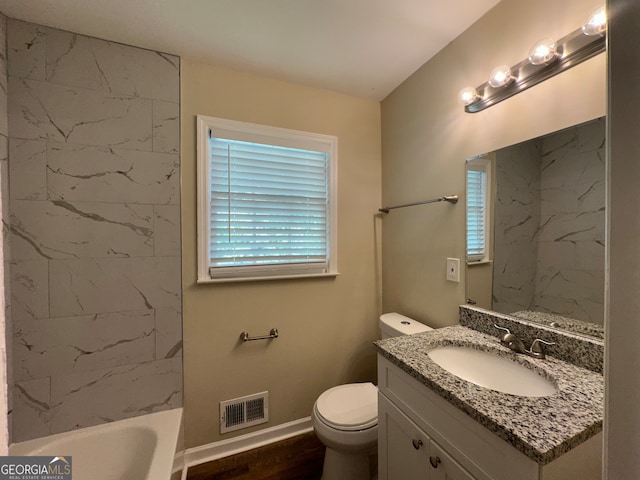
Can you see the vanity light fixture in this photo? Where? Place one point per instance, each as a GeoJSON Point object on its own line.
{"type": "Point", "coordinates": [501, 76]}
{"type": "Point", "coordinates": [467, 96]}
{"type": "Point", "coordinates": [544, 52]}
{"type": "Point", "coordinates": [547, 58]}
{"type": "Point", "coordinates": [597, 23]}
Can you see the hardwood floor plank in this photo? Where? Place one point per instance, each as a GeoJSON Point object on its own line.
{"type": "Point", "coordinates": [297, 458]}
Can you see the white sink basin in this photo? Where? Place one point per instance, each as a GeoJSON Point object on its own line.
{"type": "Point", "coordinates": [492, 371]}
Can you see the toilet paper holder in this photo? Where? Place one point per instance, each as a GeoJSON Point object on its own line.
{"type": "Point", "coordinates": [244, 336]}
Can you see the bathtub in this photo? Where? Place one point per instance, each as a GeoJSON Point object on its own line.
{"type": "Point", "coordinates": [139, 448]}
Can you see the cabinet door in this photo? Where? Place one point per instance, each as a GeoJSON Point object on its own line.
{"type": "Point", "coordinates": [444, 467]}
{"type": "Point", "coordinates": [403, 449]}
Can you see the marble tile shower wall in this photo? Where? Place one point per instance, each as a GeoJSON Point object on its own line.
{"type": "Point", "coordinates": [549, 225]}
{"type": "Point", "coordinates": [95, 230]}
{"type": "Point", "coordinates": [570, 269]}
{"type": "Point", "coordinates": [516, 221]}
{"type": "Point", "coordinates": [4, 212]}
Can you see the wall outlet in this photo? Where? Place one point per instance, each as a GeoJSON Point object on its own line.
{"type": "Point", "coordinates": [453, 270]}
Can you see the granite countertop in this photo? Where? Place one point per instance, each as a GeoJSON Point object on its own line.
{"type": "Point", "coordinates": [564, 323]}
{"type": "Point", "coordinates": [543, 428]}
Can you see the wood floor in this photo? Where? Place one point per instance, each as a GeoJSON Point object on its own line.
{"type": "Point", "coordinates": [297, 458]}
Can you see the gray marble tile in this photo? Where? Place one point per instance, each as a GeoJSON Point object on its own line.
{"type": "Point", "coordinates": [46, 111]}
{"type": "Point", "coordinates": [4, 194]}
{"type": "Point", "coordinates": [168, 333]}
{"type": "Point", "coordinates": [90, 398]}
{"type": "Point", "coordinates": [100, 174]}
{"type": "Point", "coordinates": [31, 409]}
{"type": "Point", "coordinates": [592, 136]}
{"type": "Point", "coordinates": [29, 290]}
{"type": "Point", "coordinates": [573, 198]}
{"type": "Point", "coordinates": [28, 167]}
{"type": "Point", "coordinates": [575, 168]}
{"type": "Point", "coordinates": [166, 230]}
{"type": "Point", "coordinates": [95, 224]}
{"type": "Point", "coordinates": [577, 285]}
{"type": "Point", "coordinates": [4, 125]}
{"type": "Point", "coordinates": [588, 255]}
{"type": "Point", "coordinates": [60, 229]}
{"type": "Point", "coordinates": [558, 146]}
{"type": "Point", "coordinates": [584, 309]}
{"type": "Point", "coordinates": [26, 47]}
{"type": "Point", "coordinates": [88, 62]}
{"type": "Point", "coordinates": [573, 227]}
{"type": "Point", "coordinates": [89, 342]}
{"type": "Point", "coordinates": [166, 127]}
{"type": "Point", "coordinates": [88, 286]}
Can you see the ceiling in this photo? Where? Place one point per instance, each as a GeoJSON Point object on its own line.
{"type": "Point", "coordinates": [364, 48]}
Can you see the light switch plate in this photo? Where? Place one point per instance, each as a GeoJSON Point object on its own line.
{"type": "Point", "coordinates": [453, 270]}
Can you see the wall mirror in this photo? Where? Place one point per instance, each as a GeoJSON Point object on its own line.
{"type": "Point", "coordinates": [536, 229]}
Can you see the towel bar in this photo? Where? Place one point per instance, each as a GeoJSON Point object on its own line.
{"type": "Point", "coordinates": [244, 336]}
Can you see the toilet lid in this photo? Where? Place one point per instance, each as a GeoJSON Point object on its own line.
{"type": "Point", "coordinates": [349, 407]}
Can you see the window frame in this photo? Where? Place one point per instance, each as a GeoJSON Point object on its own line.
{"type": "Point", "coordinates": [263, 134]}
{"type": "Point", "coordinates": [481, 163]}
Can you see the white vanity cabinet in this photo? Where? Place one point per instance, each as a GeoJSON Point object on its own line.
{"type": "Point", "coordinates": [406, 452]}
{"type": "Point", "coordinates": [418, 430]}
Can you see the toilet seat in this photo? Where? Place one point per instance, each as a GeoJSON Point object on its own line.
{"type": "Point", "coordinates": [349, 407]}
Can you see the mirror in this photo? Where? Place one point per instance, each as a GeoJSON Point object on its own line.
{"type": "Point", "coordinates": [543, 218]}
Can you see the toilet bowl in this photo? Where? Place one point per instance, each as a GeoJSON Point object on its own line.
{"type": "Point", "coordinates": [345, 418]}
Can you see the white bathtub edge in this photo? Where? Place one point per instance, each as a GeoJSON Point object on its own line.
{"type": "Point", "coordinates": [165, 424]}
{"type": "Point", "coordinates": [225, 448]}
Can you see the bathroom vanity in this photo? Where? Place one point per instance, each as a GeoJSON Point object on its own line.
{"type": "Point", "coordinates": [434, 425]}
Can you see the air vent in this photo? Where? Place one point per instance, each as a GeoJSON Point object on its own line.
{"type": "Point", "coordinates": [244, 412]}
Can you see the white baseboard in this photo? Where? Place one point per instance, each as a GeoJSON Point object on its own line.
{"type": "Point", "coordinates": [243, 443]}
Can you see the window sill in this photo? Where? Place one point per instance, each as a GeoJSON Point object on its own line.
{"type": "Point", "coordinates": [205, 280]}
{"type": "Point", "coordinates": [481, 262]}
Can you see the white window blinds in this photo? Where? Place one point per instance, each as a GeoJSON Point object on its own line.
{"type": "Point", "coordinates": [268, 205]}
{"type": "Point", "coordinates": [477, 206]}
{"type": "Point", "coordinates": [266, 202]}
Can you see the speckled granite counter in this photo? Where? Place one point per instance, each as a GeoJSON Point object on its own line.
{"type": "Point", "coordinates": [563, 323]}
{"type": "Point", "coordinates": [543, 428]}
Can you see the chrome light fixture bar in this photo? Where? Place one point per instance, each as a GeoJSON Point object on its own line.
{"type": "Point", "coordinates": [569, 51]}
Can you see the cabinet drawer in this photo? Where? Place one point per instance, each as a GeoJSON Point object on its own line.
{"type": "Point", "coordinates": [481, 452]}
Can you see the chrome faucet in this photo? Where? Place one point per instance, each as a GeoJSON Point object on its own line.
{"type": "Point", "coordinates": [514, 343]}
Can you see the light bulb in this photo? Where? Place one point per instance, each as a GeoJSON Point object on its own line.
{"type": "Point", "coordinates": [500, 76]}
{"type": "Point", "coordinates": [543, 52]}
{"type": "Point", "coordinates": [467, 96]}
{"type": "Point", "coordinates": [597, 23]}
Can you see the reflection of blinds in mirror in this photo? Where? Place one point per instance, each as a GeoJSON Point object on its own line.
{"type": "Point", "coordinates": [477, 207]}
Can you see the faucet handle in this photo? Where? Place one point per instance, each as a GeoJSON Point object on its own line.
{"type": "Point", "coordinates": [510, 340]}
{"type": "Point", "coordinates": [502, 328]}
{"type": "Point", "coordinates": [536, 347]}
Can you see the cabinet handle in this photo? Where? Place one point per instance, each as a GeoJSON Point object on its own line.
{"type": "Point", "coordinates": [417, 443]}
{"type": "Point", "coordinates": [435, 461]}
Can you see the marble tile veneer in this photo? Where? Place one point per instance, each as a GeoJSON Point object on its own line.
{"type": "Point", "coordinates": [94, 221]}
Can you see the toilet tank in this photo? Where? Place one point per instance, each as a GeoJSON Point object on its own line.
{"type": "Point", "coordinates": [394, 325]}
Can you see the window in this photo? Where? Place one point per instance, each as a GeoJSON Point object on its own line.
{"type": "Point", "coordinates": [266, 202]}
{"type": "Point", "coordinates": [478, 188]}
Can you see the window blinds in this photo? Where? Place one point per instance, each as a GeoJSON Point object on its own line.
{"type": "Point", "coordinates": [476, 213]}
{"type": "Point", "coordinates": [269, 208]}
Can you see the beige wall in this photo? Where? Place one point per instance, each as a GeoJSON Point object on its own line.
{"type": "Point", "coordinates": [426, 137]}
{"type": "Point", "coordinates": [326, 326]}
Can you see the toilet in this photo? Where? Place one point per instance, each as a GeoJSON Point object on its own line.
{"type": "Point", "coordinates": [345, 418]}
